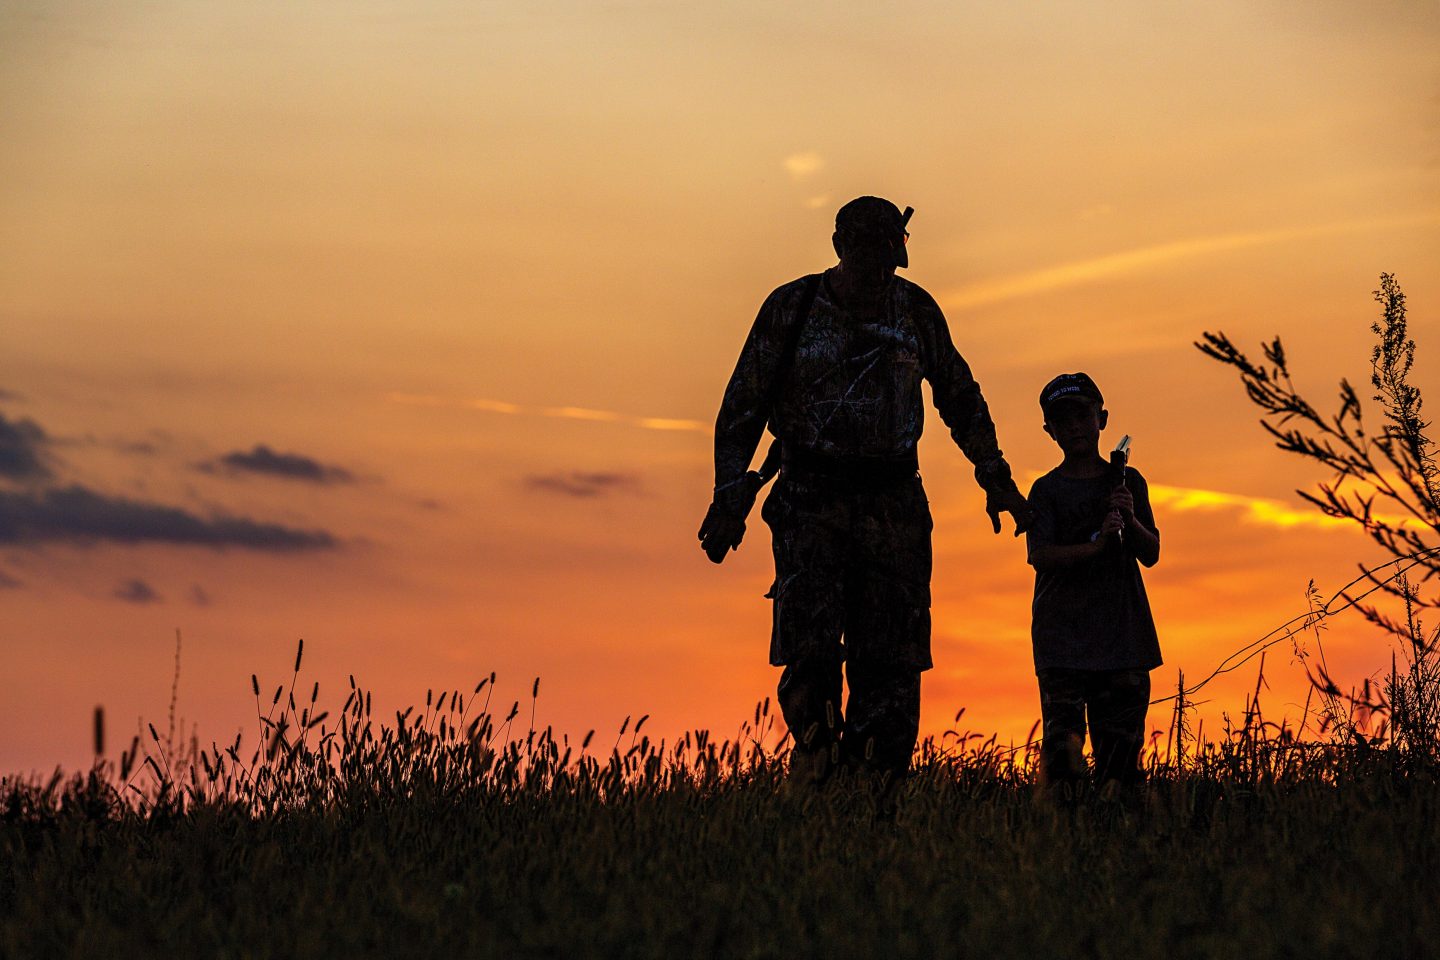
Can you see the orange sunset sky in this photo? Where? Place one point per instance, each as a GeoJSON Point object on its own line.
{"type": "Point", "coordinates": [475, 274]}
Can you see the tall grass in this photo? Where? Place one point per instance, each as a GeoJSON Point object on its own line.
{"type": "Point", "coordinates": [457, 828]}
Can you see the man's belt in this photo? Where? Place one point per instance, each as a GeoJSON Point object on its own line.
{"type": "Point", "coordinates": [801, 463]}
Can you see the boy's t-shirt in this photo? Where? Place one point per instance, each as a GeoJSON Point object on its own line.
{"type": "Point", "coordinates": [1091, 615]}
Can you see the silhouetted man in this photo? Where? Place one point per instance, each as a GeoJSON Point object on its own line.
{"type": "Point", "coordinates": [833, 363]}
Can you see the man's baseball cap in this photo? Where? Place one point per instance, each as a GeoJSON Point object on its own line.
{"type": "Point", "coordinates": [1070, 386]}
{"type": "Point", "coordinates": [868, 216]}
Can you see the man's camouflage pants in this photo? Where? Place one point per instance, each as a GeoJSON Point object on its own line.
{"type": "Point", "coordinates": [851, 592]}
{"type": "Point", "coordinates": [1115, 702]}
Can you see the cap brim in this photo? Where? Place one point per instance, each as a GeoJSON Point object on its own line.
{"type": "Point", "coordinates": [1068, 398]}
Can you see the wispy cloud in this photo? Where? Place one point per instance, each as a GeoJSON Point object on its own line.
{"type": "Point", "coordinates": [802, 165]}
{"type": "Point", "coordinates": [137, 591]}
{"type": "Point", "coordinates": [1132, 261]}
{"type": "Point", "coordinates": [1258, 510]}
{"type": "Point", "coordinates": [78, 515]}
{"type": "Point", "coordinates": [494, 406]}
{"type": "Point", "coordinates": [43, 509]}
{"type": "Point", "coordinates": [557, 413]}
{"type": "Point", "coordinates": [666, 423]}
{"type": "Point", "coordinates": [23, 450]}
{"type": "Point", "coordinates": [1273, 513]}
{"type": "Point", "coordinates": [1262, 511]}
{"type": "Point", "coordinates": [580, 413]}
{"type": "Point", "coordinates": [289, 466]}
{"type": "Point", "coordinates": [583, 485]}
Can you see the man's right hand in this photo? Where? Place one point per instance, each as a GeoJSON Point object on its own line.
{"type": "Point", "coordinates": [720, 532]}
{"type": "Point", "coordinates": [724, 524]}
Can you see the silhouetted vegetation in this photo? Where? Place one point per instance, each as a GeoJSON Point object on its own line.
{"type": "Point", "coordinates": [458, 829]}
{"type": "Point", "coordinates": [1385, 481]}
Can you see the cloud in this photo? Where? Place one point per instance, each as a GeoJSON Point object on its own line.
{"type": "Point", "coordinates": [289, 466]}
{"type": "Point", "coordinates": [137, 591]}
{"type": "Point", "coordinates": [666, 423]}
{"type": "Point", "coordinates": [581, 413]}
{"type": "Point", "coordinates": [75, 514]}
{"type": "Point", "coordinates": [22, 450]}
{"type": "Point", "coordinates": [802, 165]}
{"type": "Point", "coordinates": [493, 406]}
{"type": "Point", "coordinates": [583, 485]}
{"type": "Point", "coordinates": [7, 581]}
{"type": "Point", "coordinates": [558, 413]}
{"type": "Point", "coordinates": [1133, 261]}
{"type": "Point", "coordinates": [1258, 510]}
{"type": "Point", "coordinates": [1271, 513]}
{"type": "Point", "coordinates": [199, 596]}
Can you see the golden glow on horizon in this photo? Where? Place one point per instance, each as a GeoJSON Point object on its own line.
{"type": "Point", "coordinates": [1257, 510]}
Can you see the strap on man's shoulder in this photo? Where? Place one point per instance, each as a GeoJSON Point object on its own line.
{"type": "Point", "coordinates": [797, 325]}
{"type": "Point", "coordinates": [771, 465]}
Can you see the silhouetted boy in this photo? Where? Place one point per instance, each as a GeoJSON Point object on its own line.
{"type": "Point", "coordinates": [1093, 635]}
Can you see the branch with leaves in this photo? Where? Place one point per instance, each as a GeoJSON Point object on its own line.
{"type": "Point", "coordinates": [1385, 481]}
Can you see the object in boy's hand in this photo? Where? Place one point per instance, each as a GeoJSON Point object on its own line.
{"type": "Point", "coordinates": [1119, 457]}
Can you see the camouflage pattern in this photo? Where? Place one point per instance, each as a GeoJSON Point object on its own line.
{"type": "Point", "coordinates": [875, 732]}
{"type": "Point", "coordinates": [852, 552]}
{"type": "Point", "coordinates": [854, 385]}
{"type": "Point", "coordinates": [1116, 702]}
{"type": "Point", "coordinates": [851, 562]}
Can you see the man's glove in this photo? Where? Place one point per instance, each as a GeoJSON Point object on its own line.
{"type": "Point", "coordinates": [1009, 501]}
{"type": "Point", "coordinates": [724, 524]}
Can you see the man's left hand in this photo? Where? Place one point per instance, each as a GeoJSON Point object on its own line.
{"type": "Point", "coordinates": [1013, 503]}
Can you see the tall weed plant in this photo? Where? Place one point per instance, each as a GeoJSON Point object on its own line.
{"type": "Point", "coordinates": [1382, 478]}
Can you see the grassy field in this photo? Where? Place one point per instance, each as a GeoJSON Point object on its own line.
{"type": "Point", "coordinates": [448, 833]}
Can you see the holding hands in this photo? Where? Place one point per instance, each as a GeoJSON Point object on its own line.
{"type": "Point", "coordinates": [1013, 503]}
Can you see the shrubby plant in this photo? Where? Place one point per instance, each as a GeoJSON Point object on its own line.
{"type": "Point", "coordinates": [1384, 480]}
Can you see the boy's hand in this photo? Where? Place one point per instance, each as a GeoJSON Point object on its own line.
{"type": "Point", "coordinates": [1013, 503]}
{"type": "Point", "coordinates": [1123, 502]}
{"type": "Point", "coordinates": [1111, 526]}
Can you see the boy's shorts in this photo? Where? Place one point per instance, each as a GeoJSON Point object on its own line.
{"type": "Point", "coordinates": [1114, 703]}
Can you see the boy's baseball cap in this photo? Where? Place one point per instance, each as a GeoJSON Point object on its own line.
{"type": "Point", "coordinates": [1070, 386]}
